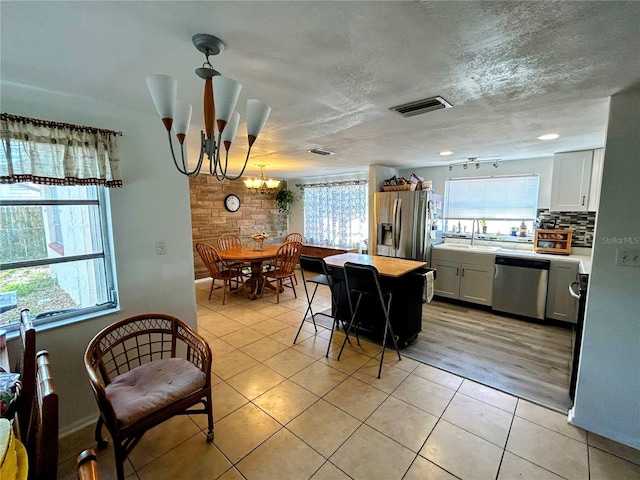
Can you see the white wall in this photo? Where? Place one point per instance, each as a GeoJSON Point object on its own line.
{"type": "Point", "coordinates": [608, 391]}
{"type": "Point", "coordinates": [542, 166]}
{"type": "Point", "coordinates": [152, 205]}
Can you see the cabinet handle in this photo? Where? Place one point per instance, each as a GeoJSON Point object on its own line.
{"type": "Point", "coordinates": [583, 197]}
{"type": "Point", "coordinates": [457, 271]}
{"type": "Point", "coordinates": [463, 272]}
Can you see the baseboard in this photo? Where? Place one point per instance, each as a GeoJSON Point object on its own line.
{"type": "Point", "coordinates": [632, 442]}
{"type": "Point", "coordinates": [78, 425]}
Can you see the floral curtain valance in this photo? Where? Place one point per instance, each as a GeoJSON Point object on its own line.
{"type": "Point", "coordinates": [52, 153]}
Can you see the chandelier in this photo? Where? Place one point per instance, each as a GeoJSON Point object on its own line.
{"type": "Point", "coordinates": [262, 185]}
{"type": "Point", "coordinates": [220, 97]}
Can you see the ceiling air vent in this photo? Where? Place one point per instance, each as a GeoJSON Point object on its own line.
{"type": "Point", "coordinates": [319, 151]}
{"type": "Point", "coordinates": [421, 106]}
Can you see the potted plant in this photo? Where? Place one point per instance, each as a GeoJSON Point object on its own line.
{"type": "Point", "coordinates": [514, 231]}
{"type": "Point", "coordinates": [284, 200]}
{"type": "Point", "coordinates": [483, 223]}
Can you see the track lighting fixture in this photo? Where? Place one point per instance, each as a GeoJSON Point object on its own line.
{"type": "Point", "coordinates": [473, 161]}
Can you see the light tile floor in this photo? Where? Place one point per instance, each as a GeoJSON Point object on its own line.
{"type": "Point", "coordinates": [284, 411]}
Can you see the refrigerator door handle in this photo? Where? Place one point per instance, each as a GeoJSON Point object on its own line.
{"type": "Point", "coordinates": [398, 224]}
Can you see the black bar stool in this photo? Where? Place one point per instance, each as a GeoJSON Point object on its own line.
{"type": "Point", "coordinates": [318, 266]}
{"type": "Point", "coordinates": [364, 281]}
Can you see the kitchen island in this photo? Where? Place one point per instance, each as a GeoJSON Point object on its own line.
{"type": "Point", "coordinates": [405, 279]}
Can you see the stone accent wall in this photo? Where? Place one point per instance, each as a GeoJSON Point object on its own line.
{"type": "Point", "coordinates": [210, 219]}
{"type": "Point", "coordinates": [582, 224]}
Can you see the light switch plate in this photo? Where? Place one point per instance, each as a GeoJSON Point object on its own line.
{"type": "Point", "coordinates": [161, 247]}
{"type": "Point", "coordinates": [628, 257]}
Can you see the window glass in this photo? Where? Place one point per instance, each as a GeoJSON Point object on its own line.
{"type": "Point", "coordinates": [54, 251]}
{"type": "Point", "coordinates": [336, 214]}
{"type": "Point", "coordinates": [512, 197]}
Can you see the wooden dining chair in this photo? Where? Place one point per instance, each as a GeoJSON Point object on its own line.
{"type": "Point", "coordinates": [218, 269]}
{"type": "Point", "coordinates": [228, 241]}
{"type": "Point", "coordinates": [284, 265]}
{"type": "Point", "coordinates": [145, 370]}
{"type": "Point", "coordinates": [294, 237]}
{"type": "Point", "coordinates": [225, 242]}
{"type": "Point", "coordinates": [87, 465]}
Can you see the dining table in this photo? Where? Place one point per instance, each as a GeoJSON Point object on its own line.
{"type": "Point", "coordinates": [405, 279]}
{"type": "Point", "coordinates": [255, 256]}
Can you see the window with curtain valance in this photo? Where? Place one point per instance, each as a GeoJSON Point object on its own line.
{"type": "Point", "coordinates": [51, 153]}
{"type": "Point", "coordinates": [336, 213]}
{"type": "Point", "coordinates": [55, 240]}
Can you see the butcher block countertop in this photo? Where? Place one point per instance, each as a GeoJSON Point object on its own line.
{"type": "Point", "coordinates": [390, 267]}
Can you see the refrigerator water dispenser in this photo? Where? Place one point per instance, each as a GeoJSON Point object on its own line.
{"type": "Point", "coordinates": [385, 234]}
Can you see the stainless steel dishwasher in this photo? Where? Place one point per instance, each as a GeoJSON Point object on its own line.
{"type": "Point", "coordinates": [520, 286]}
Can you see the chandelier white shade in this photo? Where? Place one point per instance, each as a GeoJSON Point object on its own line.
{"type": "Point", "coordinates": [220, 98]}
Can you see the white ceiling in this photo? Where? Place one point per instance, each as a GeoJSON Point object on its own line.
{"type": "Point", "coordinates": [331, 71]}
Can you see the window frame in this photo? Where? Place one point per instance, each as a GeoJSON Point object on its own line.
{"type": "Point", "coordinates": [103, 202]}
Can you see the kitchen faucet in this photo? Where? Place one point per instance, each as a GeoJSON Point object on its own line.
{"type": "Point", "coordinates": [475, 224]}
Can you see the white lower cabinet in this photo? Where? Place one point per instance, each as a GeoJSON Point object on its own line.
{"type": "Point", "coordinates": [470, 280]}
{"type": "Point", "coordinates": [560, 304]}
{"type": "Point", "coordinates": [447, 278]}
{"type": "Point", "coordinates": [476, 283]}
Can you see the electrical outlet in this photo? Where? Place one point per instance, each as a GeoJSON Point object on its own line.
{"type": "Point", "coordinates": [628, 257]}
{"type": "Point", "coordinates": [161, 247]}
{"type": "Point", "coordinates": [588, 238]}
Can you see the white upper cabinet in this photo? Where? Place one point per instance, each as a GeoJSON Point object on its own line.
{"type": "Point", "coordinates": [571, 181]}
{"type": "Point", "coordinates": [596, 179]}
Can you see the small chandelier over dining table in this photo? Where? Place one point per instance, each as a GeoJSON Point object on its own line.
{"type": "Point", "coordinates": [262, 185]}
{"type": "Point", "coordinates": [220, 97]}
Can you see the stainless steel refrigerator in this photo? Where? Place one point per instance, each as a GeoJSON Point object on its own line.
{"type": "Point", "coordinates": [407, 224]}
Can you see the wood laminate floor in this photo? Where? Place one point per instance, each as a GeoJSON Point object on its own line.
{"type": "Point", "coordinates": [526, 359]}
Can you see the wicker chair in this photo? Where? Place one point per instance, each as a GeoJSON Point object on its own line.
{"type": "Point", "coordinates": [42, 439]}
{"type": "Point", "coordinates": [218, 269]}
{"type": "Point", "coordinates": [284, 265]}
{"type": "Point", "coordinates": [26, 366]}
{"type": "Point", "coordinates": [154, 357]}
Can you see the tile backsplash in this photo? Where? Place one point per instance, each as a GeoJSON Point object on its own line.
{"type": "Point", "coordinates": [582, 224]}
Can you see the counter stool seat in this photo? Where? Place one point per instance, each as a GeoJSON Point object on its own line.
{"type": "Point", "coordinates": [310, 265]}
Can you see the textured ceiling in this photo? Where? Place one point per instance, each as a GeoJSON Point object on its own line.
{"type": "Point", "coordinates": [331, 71]}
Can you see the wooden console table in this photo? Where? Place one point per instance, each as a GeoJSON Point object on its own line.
{"type": "Point", "coordinates": [324, 250]}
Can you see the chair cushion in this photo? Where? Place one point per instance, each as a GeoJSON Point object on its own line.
{"type": "Point", "coordinates": [152, 386]}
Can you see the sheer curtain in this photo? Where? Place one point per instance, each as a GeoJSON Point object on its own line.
{"type": "Point", "coordinates": [53, 153]}
{"type": "Point", "coordinates": [336, 213]}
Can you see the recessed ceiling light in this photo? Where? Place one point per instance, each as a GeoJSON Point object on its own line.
{"type": "Point", "coordinates": [548, 136]}
{"type": "Point", "coordinates": [445, 153]}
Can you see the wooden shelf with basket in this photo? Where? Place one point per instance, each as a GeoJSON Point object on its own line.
{"type": "Point", "coordinates": [557, 242]}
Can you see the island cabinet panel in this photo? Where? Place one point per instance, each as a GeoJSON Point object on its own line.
{"type": "Point", "coordinates": [406, 307]}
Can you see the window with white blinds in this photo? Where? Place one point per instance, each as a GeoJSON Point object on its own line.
{"type": "Point", "coordinates": [508, 197]}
